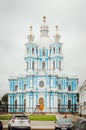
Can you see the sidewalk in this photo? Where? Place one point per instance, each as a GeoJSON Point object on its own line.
{"type": "Point", "coordinates": [36, 125]}
{"type": "Point", "coordinates": [44, 125]}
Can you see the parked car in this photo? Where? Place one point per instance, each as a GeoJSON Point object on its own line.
{"type": "Point", "coordinates": [19, 122]}
{"type": "Point", "coordinates": [1, 125]}
{"type": "Point", "coordinates": [63, 123]}
{"type": "Point", "coordinates": [79, 125]}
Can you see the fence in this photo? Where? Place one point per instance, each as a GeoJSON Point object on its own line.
{"type": "Point", "coordinates": [22, 108]}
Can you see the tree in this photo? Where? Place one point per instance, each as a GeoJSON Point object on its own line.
{"type": "Point", "coordinates": [0, 102]}
{"type": "Point", "coordinates": [5, 99]}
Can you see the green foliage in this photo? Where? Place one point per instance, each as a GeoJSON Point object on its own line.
{"type": "Point", "coordinates": [0, 102]}
{"type": "Point", "coordinates": [5, 117]}
{"type": "Point", "coordinates": [33, 117]}
{"type": "Point", "coordinates": [5, 99]}
{"type": "Point", "coordinates": [43, 117]}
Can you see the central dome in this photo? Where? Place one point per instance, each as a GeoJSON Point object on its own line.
{"type": "Point", "coordinates": [44, 42]}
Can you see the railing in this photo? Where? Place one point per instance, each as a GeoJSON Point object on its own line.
{"type": "Point", "coordinates": [22, 108]}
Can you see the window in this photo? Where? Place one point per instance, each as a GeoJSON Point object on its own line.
{"type": "Point", "coordinates": [69, 104]}
{"type": "Point", "coordinates": [69, 87]}
{"type": "Point", "coordinates": [33, 65]}
{"type": "Point", "coordinates": [59, 50]}
{"type": "Point", "coordinates": [16, 87]}
{"type": "Point", "coordinates": [32, 50]}
{"type": "Point", "coordinates": [43, 65]}
{"type": "Point", "coordinates": [24, 86]}
{"type": "Point", "coordinates": [53, 50]}
{"type": "Point", "coordinates": [24, 105]}
{"type": "Point", "coordinates": [27, 49]}
{"type": "Point", "coordinates": [53, 64]}
{"type": "Point", "coordinates": [59, 86]}
{"type": "Point", "coordinates": [15, 104]}
{"type": "Point", "coordinates": [41, 83]}
{"type": "Point", "coordinates": [59, 103]}
{"type": "Point", "coordinates": [43, 52]}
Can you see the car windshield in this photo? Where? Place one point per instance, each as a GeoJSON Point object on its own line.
{"type": "Point", "coordinates": [64, 121]}
{"type": "Point", "coordinates": [21, 117]}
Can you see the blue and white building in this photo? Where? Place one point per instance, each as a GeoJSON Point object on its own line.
{"type": "Point", "coordinates": [44, 84]}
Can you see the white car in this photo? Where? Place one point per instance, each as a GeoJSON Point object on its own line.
{"type": "Point", "coordinates": [63, 123]}
{"type": "Point", "coordinates": [19, 122]}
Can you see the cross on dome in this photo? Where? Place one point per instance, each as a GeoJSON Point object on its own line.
{"type": "Point", "coordinates": [44, 28]}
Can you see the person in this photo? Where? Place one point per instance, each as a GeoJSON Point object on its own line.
{"type": "Point", "coordinates": [1, 125]}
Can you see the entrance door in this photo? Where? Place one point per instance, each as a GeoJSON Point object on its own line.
{"type": "Point", "coordinates": [41, 103]}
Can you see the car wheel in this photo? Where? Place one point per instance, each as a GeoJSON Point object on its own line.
{"type": "Point", "coordinates": [29, 128]}
{"type": "Point", "coordinates": [8, 127]}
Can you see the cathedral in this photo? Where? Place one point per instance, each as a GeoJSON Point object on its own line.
{"type": "Point", "coordinates": [44, 84]}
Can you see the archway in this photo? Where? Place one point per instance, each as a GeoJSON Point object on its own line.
{"type": "Point", "coordinates": [41, 103]}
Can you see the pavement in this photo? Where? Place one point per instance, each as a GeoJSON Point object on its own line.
{"type": "Point", "coordinates": [44, 125]}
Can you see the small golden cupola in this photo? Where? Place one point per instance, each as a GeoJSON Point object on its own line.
{"type": "Point", "coordinates": [56, 36]}
{"type": "Point", "coordinates": [30, 36]}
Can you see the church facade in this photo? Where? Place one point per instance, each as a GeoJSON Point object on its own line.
{"type": "Point", "coordinates": [44, 85]}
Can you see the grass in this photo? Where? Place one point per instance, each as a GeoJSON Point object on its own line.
{"type": "Point", "coordinates": [34, 117]}
{"type": "Point", "coordinates": [5, 117]}
{"type": "Point", "coordinates": [42, 117]}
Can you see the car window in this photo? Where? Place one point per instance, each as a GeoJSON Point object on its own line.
{"type": "Point", "coordinates": [21, 117]}
{"type": "Point", "coordinates": [83, 126]}
{"type": "Point", "coordinates": [64, 120]}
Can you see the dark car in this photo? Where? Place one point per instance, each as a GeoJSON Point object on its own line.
{"type": "Point", "coordinates": [79, 125]}
{"type": "Point", "coordinates": [1, 125]}
{"type": "Point", "coordinates": [19, 122]}
{"type": "Point", "coordinates": [63, 123]}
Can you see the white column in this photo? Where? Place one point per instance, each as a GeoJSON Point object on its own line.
{"type": "Point", "coordinates": [27, 102]}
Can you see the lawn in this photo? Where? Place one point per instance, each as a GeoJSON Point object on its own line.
{"type": "Point", "coordinates": [43, 117]}
{"type": "Point", "coordinates": [5, 117]}
{"type": "Point", "coordinates": [34, 117]}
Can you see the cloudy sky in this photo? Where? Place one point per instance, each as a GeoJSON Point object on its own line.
{"type": "Point", "coordinates": [15, 18]}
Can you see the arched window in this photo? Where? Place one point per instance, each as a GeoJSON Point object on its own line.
{"type": "Point", "coordinates": [53, 50]}
{"type": "Point", "coordinates": [43, 52]}
{"type": "Point", "coordinates": [69, 104]}
{"type": "Point", "coordinates": [16, 87]}
{"type": "Point", "coordinates": [53, 64]}
{"type": "Point", "coordinates": [59, 65]}
{"type": "Point", "coordinates": [15, 104]}
{"type": "Point", "coordinates": [43, 65]}
{"type": "Point", "coordinates": [33, 65]}
{"type": "Point", "coordinates": [69, 87]}
{"type": "Point", "coordinates": [32, 50]}
{"type": "Point", "coordinates": [59, 103]}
